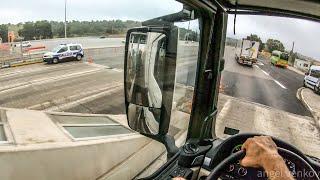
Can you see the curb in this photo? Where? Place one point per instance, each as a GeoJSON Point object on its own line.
{"type": "Point", "coordinates": [23, 63]}
{"type": "Point", "coordinates": [34, 61]}
{"type": "Point", "coordinates": [316, 118]}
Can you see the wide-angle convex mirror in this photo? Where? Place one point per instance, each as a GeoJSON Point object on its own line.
{"type": "Point", "coordinates": [149, 78]}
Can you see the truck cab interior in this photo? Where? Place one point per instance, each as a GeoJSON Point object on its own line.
{"type": "Point", "coordinates": [150, 74]}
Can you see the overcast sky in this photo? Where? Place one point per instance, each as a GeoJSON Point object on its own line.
{"type": "Point", "coordinates": [306, 34]}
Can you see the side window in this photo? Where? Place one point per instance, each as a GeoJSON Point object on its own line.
{"type": "Point", "coordinates": [73, 48]}
{"type": "Point", "coordinates": [79, 47]}
{"type": "Point", "coordinates": [63, 49]}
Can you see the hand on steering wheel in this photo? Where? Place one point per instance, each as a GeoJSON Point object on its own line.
{"type": "Point", "coordinates": [262, 152]}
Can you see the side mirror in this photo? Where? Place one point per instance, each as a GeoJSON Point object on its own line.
{"type": "Point", "coordinates": [150, 64]}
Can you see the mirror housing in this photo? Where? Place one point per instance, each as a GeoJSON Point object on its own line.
{"type": "Point", "coordinates": [149, 75]}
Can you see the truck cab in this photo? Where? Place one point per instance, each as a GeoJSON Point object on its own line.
{"type": "Point", "coordinates": [151, 90]}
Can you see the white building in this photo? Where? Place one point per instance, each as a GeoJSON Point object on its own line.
{"type": "Point", "coordinates": [302, 64]}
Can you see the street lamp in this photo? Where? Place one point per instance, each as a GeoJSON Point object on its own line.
{"type": "Point", "coordinates": [65, 18]}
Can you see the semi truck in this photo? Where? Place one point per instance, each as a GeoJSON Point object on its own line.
{"type": "Point", "coordinates": [247, 52]}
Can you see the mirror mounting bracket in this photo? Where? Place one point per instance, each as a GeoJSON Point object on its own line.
{"type": "Point", "coordinates": [168, 142]}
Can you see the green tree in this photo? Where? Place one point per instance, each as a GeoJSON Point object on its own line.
{"type": "Point", "coordinates": [254, 37]}
{"type": "Point", "coordinates": [4, 32]}
{"type": "Point", "coordinates": [43, 30]}
{"type": "Point", "coordinates": [28, 31]}
{"type": "Point", "coordinates": [274, 44]}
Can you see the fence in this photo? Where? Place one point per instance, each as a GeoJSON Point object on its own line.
{"type": "Point", "coordinates": [13, 56]}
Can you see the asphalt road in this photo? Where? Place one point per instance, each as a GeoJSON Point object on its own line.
{"type": "Point", "coordinates": [265, 84]}
{"type": "Point", "coordinates": [89, 88]}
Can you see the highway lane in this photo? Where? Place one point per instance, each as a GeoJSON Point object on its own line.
{"type": "Point", "coordinates": [65, 87]}
{"type": "Point", "coordinates": [271, 86]}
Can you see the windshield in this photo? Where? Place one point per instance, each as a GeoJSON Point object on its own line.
{"type": "Point", "coordinates": [284, 56]}
{"type": "Point", "coordinates": [56, 49]}
{"type": "Point", "coordinates": [73, 103]}
{"type": "Point", "coordinates": [315, 73]}
{"type": "Point", "coordinates": [263, 97]}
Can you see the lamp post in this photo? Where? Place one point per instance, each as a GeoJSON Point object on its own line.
{"type": "Point", "coordinates": [65, 18]}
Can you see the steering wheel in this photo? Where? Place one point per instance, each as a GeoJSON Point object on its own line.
{"type": "Point", "coordinates": [235, 157]}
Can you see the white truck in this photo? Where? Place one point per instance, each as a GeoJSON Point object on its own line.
{"type": "Point", "coordinates": [246, 52]}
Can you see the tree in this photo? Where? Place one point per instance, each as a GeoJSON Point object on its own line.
{"type": "Point", "coordinates": [28, 31]}
{"type": "Point", "coordinates": [4, 32]}
{"type": "Point", "coordinates": [274, 44]}
{"type": "Point", "coordinates": [254, 37]}
{"type": "Point", "coordinates": [43, 30]}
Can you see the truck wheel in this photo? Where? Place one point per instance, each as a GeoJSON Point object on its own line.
{"type": "Point", "coordinates": [55, 61]}
{"type": "Point", "coordinates": [78, 57]}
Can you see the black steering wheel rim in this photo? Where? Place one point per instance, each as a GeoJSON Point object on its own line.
{"type": "Point", "coordinates": [216, 172]}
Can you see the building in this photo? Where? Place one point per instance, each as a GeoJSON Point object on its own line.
{"type": "Point", "coordinates": [302, 64]}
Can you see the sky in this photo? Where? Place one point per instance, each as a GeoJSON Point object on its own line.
{"type": "Point", "coordinates": [305, 34]}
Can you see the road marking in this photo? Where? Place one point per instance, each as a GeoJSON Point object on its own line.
{"type": "Point", "coordinates": [265, 72]}
{"type": "Point", "coordinates": [74, 98]}
{"type": "Point", "coordinates": [47, 80]}
{"type": "Point", "coordinates": [279, 84]}
{"type": "Point", "coordinates": [65, 106]}
{"type": "Point", "coordinates": [260, 63]}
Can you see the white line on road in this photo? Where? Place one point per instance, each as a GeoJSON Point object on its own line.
{"type": "Point", "coordinates": [265, 72]}
{"type": "Point", "coordinates": [260, 63]}
{"type": "Point", "coordinates": [47, 80]}
{"type": "Point", "coordinates": [86, 99]}
{"type": "Point", "coordinates": [279, 84]}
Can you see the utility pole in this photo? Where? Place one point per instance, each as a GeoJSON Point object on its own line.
{"type": "Point", "coordinates": [291, 58]}
{"type": "Point", "coordinates": [65, 18]}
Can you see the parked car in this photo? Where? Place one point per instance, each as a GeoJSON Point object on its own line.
{"type": "Point", "coordinates": [64, 52]}
{"type": "Point", "coordinates": [312, 79]}
{"type": "Point", "coordinates": [23, 44]}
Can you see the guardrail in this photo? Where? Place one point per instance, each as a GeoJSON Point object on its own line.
{"type": "Point", "coordinates": [34, 55]}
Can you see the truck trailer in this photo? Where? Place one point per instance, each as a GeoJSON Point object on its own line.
{"type": "Point", "coordinates": [246, 52]}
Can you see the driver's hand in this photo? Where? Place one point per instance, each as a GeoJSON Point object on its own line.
{"type": "Point", "coordinates": [261, 151]}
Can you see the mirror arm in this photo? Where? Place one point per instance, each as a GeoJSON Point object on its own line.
{"type": "Point", "coordinates": [170, 145]}
{"type": "Point", "coordinates": [168, 142]}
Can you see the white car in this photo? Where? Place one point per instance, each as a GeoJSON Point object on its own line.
{"type": "Point", "coordinates": [24, 44]}
{"type": "Point", "coordinates": [64, 52]}
{"type": "Point", "coordinates": [312, 79]}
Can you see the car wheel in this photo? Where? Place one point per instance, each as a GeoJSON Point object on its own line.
{"type": "Point", "coordinates": [55, 61]}
{"type": "Point", "coordinates": [304, 83]}
{"type": "Point", "coordinates": [78, 57]}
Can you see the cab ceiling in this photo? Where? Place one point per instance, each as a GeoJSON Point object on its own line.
{"type": "Point", "coordinates": [309, 9]}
